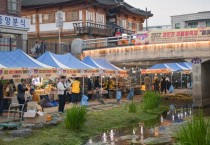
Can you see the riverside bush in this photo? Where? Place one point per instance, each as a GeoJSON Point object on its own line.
{"type": "Point", "coordinates": [196, 132]}
{"type": "Point", "coordinates": [151, 100]}
{"type": "Point", "coordinates": [75, 117]}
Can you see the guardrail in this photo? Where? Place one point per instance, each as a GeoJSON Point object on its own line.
{"type": "Point", "coordinates": [109, 42]}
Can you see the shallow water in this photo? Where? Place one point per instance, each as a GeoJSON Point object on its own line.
{"type": "Point", "coordinates": [135, 134]}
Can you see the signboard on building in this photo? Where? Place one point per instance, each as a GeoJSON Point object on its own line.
{"type": "Point", "coordinates": [173, 36]}
{"type": "Point", "coordinates": [14, 22]}
{"type": "Point", "coordinates": [59, 19]}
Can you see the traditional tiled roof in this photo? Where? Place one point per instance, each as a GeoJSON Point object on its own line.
{"type": "Point", "coordinates": [29, 3]}
{"type": "Point", "coordinates": [111, 4]}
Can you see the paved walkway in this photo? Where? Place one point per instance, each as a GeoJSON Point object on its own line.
{"type": "Point", "coordinates": [50, 110]}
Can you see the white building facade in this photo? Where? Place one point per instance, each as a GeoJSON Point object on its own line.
{"type": "Point", "coordinates": [194, 20]}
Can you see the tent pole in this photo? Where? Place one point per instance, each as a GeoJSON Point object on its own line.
{"type": "Point", "coordinates": [83, 85]}
{"type": "Point", "coordinates": [181, 81]}
{"type": "Point", "coordinates": [101, 86]}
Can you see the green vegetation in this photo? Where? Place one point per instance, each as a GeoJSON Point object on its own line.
{"type": "Point", "coordinates": [196, 132]}
{"type": "Point", "coordinates": [97, 122]}
{"type": "Point", "coordinates": [151, 101]}
{"type": "Point", "coordinates": [76, 117]}
{"type": "Point", "coordinates": [132, 107]}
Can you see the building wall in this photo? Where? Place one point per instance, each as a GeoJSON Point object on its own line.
{"type": "Point", "coordinates": [200, 17]}
{"type": "Point", "coordinates": [4, 8]}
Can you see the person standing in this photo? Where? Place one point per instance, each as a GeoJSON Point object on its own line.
{"type": "Point", "coordinates": [21, 94]}
{"type": "Point", "coordinates": [89, 89]}
{"type": "Point", "coordinates": [147, 82]}
{"type": "Point", "coordinates": [156, 84]}
{"type": "Point", "coordinates": [12, 88]}
{"type": "Point", "coordinates": [1, 98]}
{"type": "Point", "coordinates": [97, 83]}
{"type": "Point", "coordinates": [61, 93]}
{"type": "Point", "coordinates": [75, 90]}
{"type": "Point", "coordinates": [163, 85]}
{"type": "Point", "coordinates": [168, 82]}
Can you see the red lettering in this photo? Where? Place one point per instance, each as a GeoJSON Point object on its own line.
{"type": "Point", "coordinates": [195, 32]}
{"type": "Point", "coordinates": [168, 34]}
{"type": "Point", "coordinates": [186, 33]}
{"type": "Point", "coordinates": [191, 33]}
{"type": "Point", "coordinates": [172, 34]}
{"type": "Point", "coordinates": [182, 33]}
{"type": "Point", "coordinates": [164, 34]}
{"type": "Point", "coordinates": [178, 33]}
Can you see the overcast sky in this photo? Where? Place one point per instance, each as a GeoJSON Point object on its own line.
{"type": "Point", "coordinates": [163, 9]}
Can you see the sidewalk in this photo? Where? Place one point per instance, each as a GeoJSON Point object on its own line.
{"type": "Point", "coordinates": [51, 110]}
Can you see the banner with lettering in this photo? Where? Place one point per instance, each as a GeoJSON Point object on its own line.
{"type": "Point", "coordinates": [173, 36]}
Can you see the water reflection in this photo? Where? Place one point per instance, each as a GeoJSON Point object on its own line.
{"type": "Point", "coordinates": [150, 128]}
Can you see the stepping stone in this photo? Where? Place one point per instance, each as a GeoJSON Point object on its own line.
{"type": "Point", "coordinates": [21, 132]}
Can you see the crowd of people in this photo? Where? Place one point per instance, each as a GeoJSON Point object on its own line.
{"type": "Point", "coordinates": [159, 85]}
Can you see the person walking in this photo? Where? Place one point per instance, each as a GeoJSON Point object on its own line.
{"type": "Point", "coordinates": [1, 98]}
{"type": "Point", "coordinates": [147, 82]}
{"type": "Point", "coordinates": [62, 88]}
{"type": "Point", "coordinates": [75, 91]}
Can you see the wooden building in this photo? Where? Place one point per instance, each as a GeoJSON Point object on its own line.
{"type": "Point", "coordinates": [82, 19]}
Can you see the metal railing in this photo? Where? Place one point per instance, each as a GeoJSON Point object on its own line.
{"type": "Point", "coordinates": [28, 46]}
{"type": "Point", "coordinates": [109, 42]}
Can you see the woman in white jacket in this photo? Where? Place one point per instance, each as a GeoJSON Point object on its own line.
{"type": "Point", "coordinates": [62, 87]}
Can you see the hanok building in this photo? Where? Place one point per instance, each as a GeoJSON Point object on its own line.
{"type": "Point", "coordinates": [13, 28]}
{"type": "Point", "coordinates": [81, 19]}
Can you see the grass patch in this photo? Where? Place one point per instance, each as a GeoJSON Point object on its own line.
{"type": "Point", "coordinates": [132, 107]}
{"type": "Point", "coordinates": [76, 117]}
{"type": "Point", "coordinates": [196, 132]}
{"type": "Point", "coordinates": [151, 100]}
{"type": "Point", "coordinates": [97, 122]}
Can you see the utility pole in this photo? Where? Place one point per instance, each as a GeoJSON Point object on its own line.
{"type": "Point", "coordinates": [146, 20]}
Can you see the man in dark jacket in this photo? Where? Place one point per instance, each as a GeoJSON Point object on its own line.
{"type": "Point", "coordinates": [21, 93]}
{"type": "Point", "coordinates": [1, 98]}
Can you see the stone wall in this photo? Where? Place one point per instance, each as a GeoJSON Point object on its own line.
{"type": "Point", "coordinates": [201, 83]}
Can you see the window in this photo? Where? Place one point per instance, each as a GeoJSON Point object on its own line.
{"type": "Point", "coordinates": [130, 25]}
{"type": "Point", "coordinates": [122, 23]}
{"type": "Point", "coordinates": [48, 18]}
{"type": "Point", "coordinates": [207, 23]}
{"type": "Point", "coordinates": [72, 16]}
{"type": "Point", "coordinates": [99, 18]}
{"type": "Point", "coordinates": [90, 16]}
{"type": "Point", "coordinates": [30, 18]}
{"type": "Point", "coordinates": [177, 26]}
{"type": "Point", "coordinates": [193, 24]}
{"type": "Point", "coordinates": [12, 6]}
{"type": "Point", "coordinates": [137, 26]}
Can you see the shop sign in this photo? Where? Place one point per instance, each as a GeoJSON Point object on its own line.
{"type": "Point", "coordinates": [196, 60]}
{"type": "Point", "coordinates": [173, 36]}
{"type": "Point", "coordinates": [14, 22]}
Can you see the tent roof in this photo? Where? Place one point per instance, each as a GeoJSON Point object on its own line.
{"type": "Point", "coordinates": [63, 61]}
{"type": "Point", "coordinates": [170, 66]}
{"type": "Point", "coordinates": [186, 64]}
{"type": "Point", "coordinates": [48, 59]}
{"type": "Point", "coordinates": [19, 59]}
{"type": "Point", "coordinates": [2, 66]}
{"type": "Point", "coordinates": [88, 60]}
{"type": "Point", "coordinates": [100, 63]}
